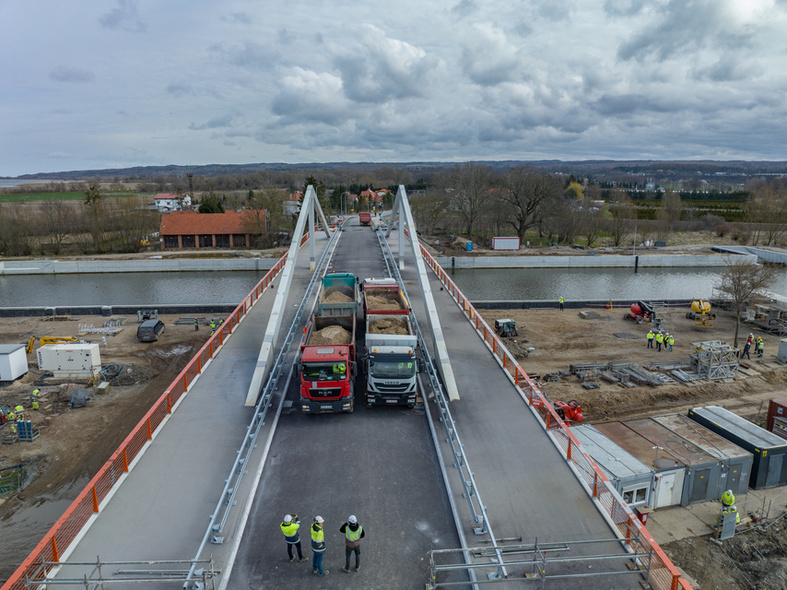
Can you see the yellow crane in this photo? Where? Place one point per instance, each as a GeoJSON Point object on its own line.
{"type": "Point", "coordinates": [701, 314]}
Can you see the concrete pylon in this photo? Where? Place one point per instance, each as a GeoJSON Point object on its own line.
{"type": "Point", "coordinates": [265, 358]}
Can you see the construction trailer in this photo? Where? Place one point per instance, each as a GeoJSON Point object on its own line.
{"type": "Point", "coordinates": [703, 471]}
{"type": "Point", "coordinates": [769, 468]}
{"type": "Point", "coordinates": [736, 462]}
{"type": "Point", "coordinates": [633, 480]}
{"type": "Point", "coordinates": [13, 361]}
{"type": "Point", "coordinates": [669, 472]}
{"type": "Point", "coordinates": [777, 417]}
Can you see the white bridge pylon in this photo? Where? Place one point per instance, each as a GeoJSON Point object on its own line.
{"type": "Point", "coordinates": [265, 359]}
{"type": "Point", "coordinates": [401, 209]}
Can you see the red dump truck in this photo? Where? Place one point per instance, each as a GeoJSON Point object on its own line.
{"type": "Point", "coordinates": [327, 364]}
{"type": "Point", "coordinates": [365, 218]}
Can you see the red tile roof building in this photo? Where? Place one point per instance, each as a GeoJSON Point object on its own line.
{"type": "Point", "coordinates": [189, 229]}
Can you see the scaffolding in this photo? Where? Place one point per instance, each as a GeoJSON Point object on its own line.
{"type": "Point", "coordinates": [714, 359]}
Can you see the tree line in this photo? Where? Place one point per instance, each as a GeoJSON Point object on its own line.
{"type": "Point", "coordinates": [469, 200]}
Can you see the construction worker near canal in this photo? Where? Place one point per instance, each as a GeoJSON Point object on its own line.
{"type": "Point", "coordinates": [651, 336]}
{"type": "Point", "coordinates": [659, 341]}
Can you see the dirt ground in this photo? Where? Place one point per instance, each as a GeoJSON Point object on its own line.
{"type": "Point", "coordinates": [75, 442]}
{"type": "Point", "coordinates": [559, 339]}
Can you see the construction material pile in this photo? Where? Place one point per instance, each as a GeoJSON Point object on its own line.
{"type": "Point", "coordinates": [623, 373]}
{"type": "Point", "coordinates": [389, 326]}
{"type": "Point", "coordinates": [382, 302]}
{"type": "Point", "coordinates": [337, 297]}
{"type": "Point", "coordinates": [331, 335]}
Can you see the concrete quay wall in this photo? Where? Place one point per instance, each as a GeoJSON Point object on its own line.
{"type": "Point", "coordinates": [39, 267]}
{"type": "Point", "coordinates": [109, 310]}
{"type": "Point", "coordinates": [588, 261]}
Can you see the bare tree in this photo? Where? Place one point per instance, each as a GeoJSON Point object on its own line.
{"type": "Point", "coordinates": [57, 219]}
{"type": "Point", "coordinates": [429, 209]}
{"type": "Point", "coordinates": [668, 214]}
{"type": "Point", "coordinates": [529, 191]}
{"type": "Point", "coordinates": [265, 215]}
{"type": "Point", "coordinates": [130, 223]}
{"type": "Point", "coordinates": [766, 211]}
{"type": "Point", "coordinates": [471, 183]}
{"type": "Point", "coordinates": [742, 281]}
{"type": "Point", "coordinates": [623, 215]}
{"type": "Point", "coordinates": [16, 223]}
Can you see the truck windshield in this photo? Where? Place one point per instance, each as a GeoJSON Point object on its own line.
{"type": "Point", "coordinates": [393, 370]}
{"type": "Point", "coordinates": [324, 371]}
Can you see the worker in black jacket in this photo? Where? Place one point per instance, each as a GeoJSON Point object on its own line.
{"type": "Point", "coordinates": [353, 533]}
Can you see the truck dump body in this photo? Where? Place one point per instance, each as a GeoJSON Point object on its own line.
{"type": "Point", "coordinates": [339, 294]}
{"type": "Point", "coordinates": [327, 364]}
{"type": "Point", "coordinates": [365, 218]}
{"type": "Point", "coordinates": [383, 296]}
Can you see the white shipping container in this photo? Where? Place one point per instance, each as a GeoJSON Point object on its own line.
{"type": "Point", "coordinates": [69, 360]}
{"type": "Point", "coordinates": [505, 243]}
{"type": "Point", "coordinates": [13, 361]}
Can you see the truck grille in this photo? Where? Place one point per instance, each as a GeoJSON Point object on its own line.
{"type": "Point", "coordinates": [325, 392]}
{"type": "Point", "coordinates": [400, 388]}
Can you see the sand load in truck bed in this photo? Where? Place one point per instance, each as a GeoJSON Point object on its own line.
{"type": "Point", "coordinates": [376, 302]}
{"type": "Point", "coordinates": [330, 335]}
{"type": "Point", "coordinates": [389, 326]}
{"type": "Point", "coordinates": [337, 297]}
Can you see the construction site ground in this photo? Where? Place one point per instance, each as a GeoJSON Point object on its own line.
{"type": "Point", "coordinates": [74, 443]}
{"type": "Point", "coordinates": [756, 558]}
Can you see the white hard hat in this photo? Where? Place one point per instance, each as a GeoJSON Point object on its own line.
{"type": "Point", "coordinates": [729, 492]}
{"type": "Point", "coordinates": [287, 518]}
{"type": "Point", "coordinates": [319, 519]}
{"type": "Point", "coordinates": [352, 519]}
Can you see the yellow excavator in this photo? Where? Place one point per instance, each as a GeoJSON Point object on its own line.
{"type": "Point", "coordinates": [48, 340]}
{"type": "Point", "coordinates": [701, 314]}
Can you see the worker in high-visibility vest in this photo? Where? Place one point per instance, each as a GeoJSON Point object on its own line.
{"type": "Point", "coordinates": [212, 326]}
{"type": "Point", "coordinates": [318, 546]}
{"type": "Point", "coordinates": [728, 498]}
{"type": "Point", "coordinates": [730, 509]}
{"type": "Point", "coordinates": [11, 420]}
{"type": "Point", "coordinates": [19, 410]}
{"type": "Point", "coordinates": [289, 527]}
{"type": "Point", "coordinates": [659, 341]}
{"type": "Point", "coordinates": [670, 341]}
{"type": "Point", "coordinates": [651, 336]}
{"type": "Point", "coordinates": [34, 398]}
{"type": "Point", "coordinates": [560, 302]}
{"type": "Point", "coordinates": [353, 533]}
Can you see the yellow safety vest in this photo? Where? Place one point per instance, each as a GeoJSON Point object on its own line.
{"type": "Point", "coordinates": [659, 338]}
{"type": "Point", "coordinates": [351, 534]}
{"type": "Point", "coordinates": [728, 499]}
{"type": "Point", "coordinates": [290, 531]}
{"type": "Point", "coordinates": [318, 538]}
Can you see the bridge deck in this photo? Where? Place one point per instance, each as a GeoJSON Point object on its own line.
{"type": "Point", "coordinates": [377, 463]}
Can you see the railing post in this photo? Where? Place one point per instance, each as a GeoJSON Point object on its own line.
{"type": "Point", "coordinates": [199, 364]}
{"type": "Point", "coordinates": [595, 485]}
{"type": "Point", "coordinates": [125, 459]}
{"type": "Point", "coordinates": [150, 429]}
{"type": "Point", "coordinates": [55, 552]}
{"type": "Point", "coordinates": [568, 451]}
{"type": "Point", "coordinates": [169, 403]}
{"type": "Point", "coordinates": [185, 383]}
{"type": "Point", "coordinates": [95, 499]}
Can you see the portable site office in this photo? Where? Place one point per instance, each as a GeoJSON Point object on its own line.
{"type": "Point", "coordinates": [703, 471]}
{"type": "Point", "coordinates": [631, 477]}
{"type": "Point", "coordinates": [769, 468]}
{"type": "Point", "coordinates": [736, 462]}
{"type": "Point", "coordinates": [669, 471]}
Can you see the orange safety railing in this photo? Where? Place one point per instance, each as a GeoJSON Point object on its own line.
{"type": "Point", "coordinates": [88, 502]}
{"type": "Point", "coordinates": [662, 572]}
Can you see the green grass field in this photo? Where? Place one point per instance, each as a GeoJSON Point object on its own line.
{"type": "Point", "coordinates": [66, 196]}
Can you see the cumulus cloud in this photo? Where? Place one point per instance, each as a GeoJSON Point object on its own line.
{"type": "Point", "coordinates": [488, 57]}
{"type": "Point", "coordinates": [305, 95]}
{"type": "Point", "coordinates": [124, 17]}
{"type": "Point", "coordinates": [378, 68]}
{"type": "Point", "coordinates": [69, 74]}
{"type": "Point", "coordinates": [249, 54]}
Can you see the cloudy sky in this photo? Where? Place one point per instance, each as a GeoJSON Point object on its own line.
{"type": "Point", "coordinates": [115, 83]}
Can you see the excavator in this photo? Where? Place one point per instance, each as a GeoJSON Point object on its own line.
{"type": "Point", "coordinates": [48, 340]}
{"type": "Point", "coordinates": [569, 412]}
{"type": "Point", "coordinates": [701, 314]}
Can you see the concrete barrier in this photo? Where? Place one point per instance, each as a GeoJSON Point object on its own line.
{"type": "Point", "coordinates": [38, 267]}
{"type": "Point", "coordinates": [107, 310]}
{"type": "Point", "coordinates": [604, 261]}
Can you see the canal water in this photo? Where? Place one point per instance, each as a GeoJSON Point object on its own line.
{"type": "Point", "coordinates": [230, 287]}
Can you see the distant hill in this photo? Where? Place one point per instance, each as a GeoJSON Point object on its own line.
{"type": "Point", "coordinates": [593, 168]}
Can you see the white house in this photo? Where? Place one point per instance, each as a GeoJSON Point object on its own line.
{"type": "Point", "coordinates": [172, 202]}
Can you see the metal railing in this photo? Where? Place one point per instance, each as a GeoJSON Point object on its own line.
{"type": "Point", "coordinates": [662, 573]}
{"type": "Point", "coordinates": [88, 503]}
